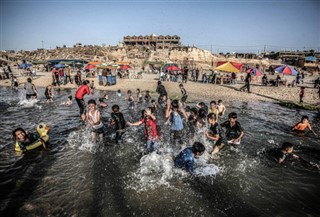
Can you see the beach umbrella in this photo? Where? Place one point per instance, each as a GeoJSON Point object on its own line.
{"type": "Point", "coordinates": [164, 68]}
{"type": "Point", "coordinates": [173, 68]}
{"type": "Point", "coordinates": [287, 70]}
{"type": "Point", "coordinates": [256, 72]}
{"type": "Point", "coordinates": [60, 66]}
{"type": "Point", "coordinates": [89, 66]}
{"type": "Point", "coordinates": [25, 65]}
{"type": "Point", "coordinates": [125, 67]}
{"type": "Point", "coordinates": [228, 67]}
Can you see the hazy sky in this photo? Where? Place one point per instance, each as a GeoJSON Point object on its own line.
{"type": "Point", "coordinates": [220, 25]}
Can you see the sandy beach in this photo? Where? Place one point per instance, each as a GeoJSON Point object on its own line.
{"type": "Point", "coordinates": [196, 90]}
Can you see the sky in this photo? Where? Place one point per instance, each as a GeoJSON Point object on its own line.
{"type": "Point", "coordinates": [219, 26]}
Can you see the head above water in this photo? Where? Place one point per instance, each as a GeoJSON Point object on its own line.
{"type": "Point", "coordinates": [175, 104]}
{"type": "Point", "coordinates": [219, 101]}
{"type": "Point", "coordinates": [29, 80]}
{"type": "Point", "coordinates": [19, 134]}
{"type": "Point", "coordinates": [212, 117]}
{"type": "Point", "coordinates": [213, 103]}
{"type": "Point", "coordinates": [115, 108]}
{"type": "Point", "coordinates": [233, 115]}
{"type": "Point", "coordinates": [198, 148]}
{"type": "Point", "coordinates": [70, 97]}
{"type": "Point", "coordinates": [92, 102]}
{"type": "Point", "coordinates": [287, 146]}
{"type": "Point", "coordinates": [304, 118]}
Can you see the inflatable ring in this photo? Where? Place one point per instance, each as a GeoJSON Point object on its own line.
{"type": "Point", "coordinates": [44, 137]}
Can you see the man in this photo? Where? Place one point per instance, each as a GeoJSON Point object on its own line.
{"type": "Point", "coordinates": [83, 89]}
{"type": "Point", "coordinates": [247, 83]}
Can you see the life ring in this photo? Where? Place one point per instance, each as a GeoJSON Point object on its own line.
{"type": "Point", "coordinates": [44, 137]}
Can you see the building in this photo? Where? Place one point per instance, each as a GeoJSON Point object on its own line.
{"type": "Point", "coordinates": [78, 45]}
{"type": "Point", "coordinates": [157, 42]}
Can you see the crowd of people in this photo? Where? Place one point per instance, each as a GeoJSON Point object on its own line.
{"type": "Point", "coordinates": [185, 123]}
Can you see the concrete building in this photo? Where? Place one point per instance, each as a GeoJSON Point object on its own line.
{"type": "Point", "coordinates": [157, 42]}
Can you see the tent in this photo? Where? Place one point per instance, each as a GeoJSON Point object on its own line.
{"type": "Point", "coordinates": [60, 66]}
{"type": "Point", "coordinates": [237, 65]}
{"type": "Point", "coordinates": [310, 58]}
{"type": "Point", "coordinates": [256, 72]}
{"type": "Point", "coordinates": [164, 68]}
{"type": "Point", "coordinates": [228, 67]}
{"type": "Point", "coordinates": [173, 68]}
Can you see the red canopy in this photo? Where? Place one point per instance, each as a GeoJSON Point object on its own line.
{"type": "Point", "coordinates": [124, 67]}
{"type": "Point", "coordinates": [237, 65]}
{"type": "Point", "coordinates": [89, 67]}
{"type": "Point", "coordinates": [173, 68]}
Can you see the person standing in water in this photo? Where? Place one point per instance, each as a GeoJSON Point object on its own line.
{"type": "Point", "coordinates": [31, 90]}
{"type": "Point", "coordinates": [83, 89]}
{"type": "Point", "coordinates": [234, 131]}
{"type": "Point", "coordinates": [48, 93]}
{"type": "Point", "coordinates": [93, 116]}
{"type": "Point", "coordinates": [117, 120]}
{"type": "Point", "coordinates": [184, 94]}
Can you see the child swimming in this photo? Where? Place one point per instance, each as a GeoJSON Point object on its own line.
{"type": "Point", "coordinates": [303, 124]}
{"type": "Point", "coordinates": [68, 102]}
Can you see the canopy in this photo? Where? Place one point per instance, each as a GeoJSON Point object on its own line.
{"type": "Point", "coordinates": [89, 66]}
{"type": "Point", "coordinates": [60, 66]}
{"type": "Point", "coordinates": [94, 63]}
{"type": "Point", "coordinates": [164, 68]}
{"type": "Point", "coordinates": [173, 68]}
{"type": "Point", "coordinates": [310, 58]}
{"type": "Point", "coordinates": [66, 62]}
{"type": "Point", "coordinates": [287, 70]}
{"type": "Point", "coordinates": [256, 72]}
{"type": "Point", "coordinates": [227, 67]}
{"type": "Point", "coordinates": [237, 65]}
{"type": "Point", "coordinates": [125, 67]}
{"type": "Point", "coordinates": [25, 65]}
{"type": "Point", "coordinates": [40, 62]}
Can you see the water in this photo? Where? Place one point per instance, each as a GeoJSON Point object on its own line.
{"type": "Point", "coordinates": [77, 178]}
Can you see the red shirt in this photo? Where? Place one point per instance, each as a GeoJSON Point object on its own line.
{"type": "Point", "coordinates": [150, 128]}
{"type": "Point", "coordinates": [84, 89]}
{"type": "Point", "coordinates": [53, 71]}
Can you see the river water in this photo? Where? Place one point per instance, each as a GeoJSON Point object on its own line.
{"type": "Point", "coordinates": [74, 177]}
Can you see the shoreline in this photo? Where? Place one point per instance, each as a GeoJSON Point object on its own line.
{"type": "Point", "coordinates": [198, 91]}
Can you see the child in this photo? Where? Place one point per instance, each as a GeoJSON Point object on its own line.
{"type": "Point", "coordinates": [118, 121]}
{"type": "Point", "coordinates": [139, 96]}
{"type": "Point", "coordinates": [221, 108]}
{"type": "Point", "coordinates": [92, 86]}
{"type": "Point", "coordinates": [103, 104]}
{"type": "Point", "coordinates": [130, 100]}
{"type": "Point", "coordinates": [280, 154]}
{"type": "Point", "coordinates": [214, 109]}
{"type": "Point", "coordinates": [215, 133]}
{"type": "Point", "coordinates": [203, 106]}
{"type": "Point", "coordinates": [48, 93]}
{"type": "Point", "coordinates": [151, 132]}
{"type": "Point", "coordinates": [93, 117]}
{"type": "Point", "coordinates": [15, 83]}
{"type": "Point", "coordinates": [175, 116]}
{"type": "Point", "coordinates": [185, 159]}
{"type": "Point", "coordinates": [119, 93]}
{"type": "Point", "coordinates": [303, 124]}
{"type": "Point", "coordinates": [234, 131]}
{"type": "Point", "coordinates": [302, 93]}
{"type": "Point", "coordinates": [25, 139]}
{"type": "Point", "coordinates": [154, 106]}
{"type": "Point", "coordinates": [147, 97]}
{"type": "Point", "coordinates": [184, 94]}
{"type": "Point", "coordinates": [68, 102]}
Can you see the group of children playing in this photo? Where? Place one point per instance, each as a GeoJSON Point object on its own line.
{"type": "Point", "coordinates": [182, 119]}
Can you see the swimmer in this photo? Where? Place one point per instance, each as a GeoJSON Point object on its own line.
{"type": "Point", "coordinates": [68, 102]}
{"type": "Point", "coordinates": [103, 104]}
{"type": "Point", "coordinates": [93, 117]}
{"type": "Point", "coordinates": [82, 90]}
{"type": "Point", "coordinates": [234, 131]}
{"type": "Point", "coordinates": [24, 139]}
{"type": "Point", "coordinates": [119, 93]}
{"type": "Point", "coordinates": [118, 121]}
{"type": "Point", "coordinates": [221, 108]}
{"type": "Point", "coordinates": [185, 159]}
{"type": "Point", "coordinates": [214, 133]}
{"type": "Point", "coordinates": [48, 93]}
{"type": "Point", "coordinates": [280, 154]}
{"type": "Point", "coordinates": [303, 124]}
{"type": "Point", "coordinates": [151, 132]}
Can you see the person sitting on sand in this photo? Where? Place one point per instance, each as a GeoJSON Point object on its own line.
{"type": "Point", "coordinates": [68, 102]}
{"type": "Point", "coordinates": [185, 159]}
{"type": "Point", "coordinates": [151, 132]}
{"type": "Point", "coordinates": [234, 131]}
{"type": "Point", "coordinates": [302, 125]}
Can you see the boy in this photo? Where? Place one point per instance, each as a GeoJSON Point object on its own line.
{"type": "Point", "coordinates": [221, 107]}
{"type": "Point", "coordinates": [83, 90]}
{"type": "Point", "coordinates": [150, 129]}
{"type": "Point", "coordinates": [214, 109]}
{"type": "Point", "coordinates": [184, 94]}
{"type": "Point", "coordinates": [234, 131]}
{"type": "Point", "coordinates": [302, 125]}
{"type": "Point", "coordinates": [215, 133]}
{"type": "Point", "coordinates": [118, 121]}
{"type": "Point", "coordinates": [175, 116]}
{"type": "Point", "coordinates": [147, 97]}
{"type": "Point", "coordinates": [93, 117]}
{"type": "Point", "coordinates": [185, 159]}
{"type": "Point", "coordinates": [302, 93]}
{"type": "Point", "coordinates": [280, 154]}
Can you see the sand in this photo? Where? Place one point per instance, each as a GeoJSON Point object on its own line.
{"type": "Point", "coordinates": [197, 91]}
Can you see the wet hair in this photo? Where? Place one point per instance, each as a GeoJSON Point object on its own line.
{"type": "Point", "coordinates": [101, 99]}
{"type": "Point", "coordinates": [129, 92]}
{"type": "Point", "coordinates": [16, 130]}
{"type": "Point", "coordinates": [152, 101]}
{"type": "Point", "coordinates": [115, 108]}
{"type": "Point", "coordinates": [85, 82]}
{"type": "Point", "coordinates": [212, 116]}
{"type": "Point", "coordinates": [233, 115]}
{"type": "Point", "coordinates": [92, 101]}
{"type": "Point", "coordinates": [304, 117]}
{"type": "Point", "coordinates": [29, 80]}
{"type": "Point", "coordinates": [70, 97]}
{"type": "Point", "coordinates": [194, 110]}
{"type": "Point", "coordinates": [118, 91]}
{"type": "Point", "coordinates": [175, 104]}
{"type": "Point", "coordinates": [202, 104]}
{"type": "Point", "coordinates": [286, 145]}
{"type": "Point", "coordinates": [219, 101]}
{"type": "Point", "coordinates": [138, 90]}
{"type": "Point", "coordinates": [198, 147]}
{"type": "Point", "coordinates": [147, 92]}
{"type": "Point", "coordinates": [159, 82]}
{"type": "Point", "coordinates": [202, 113]}
{"type": "Point", "coordinates": [187, 109]}
{"type": "Point", "coordinates": [213, 101]}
